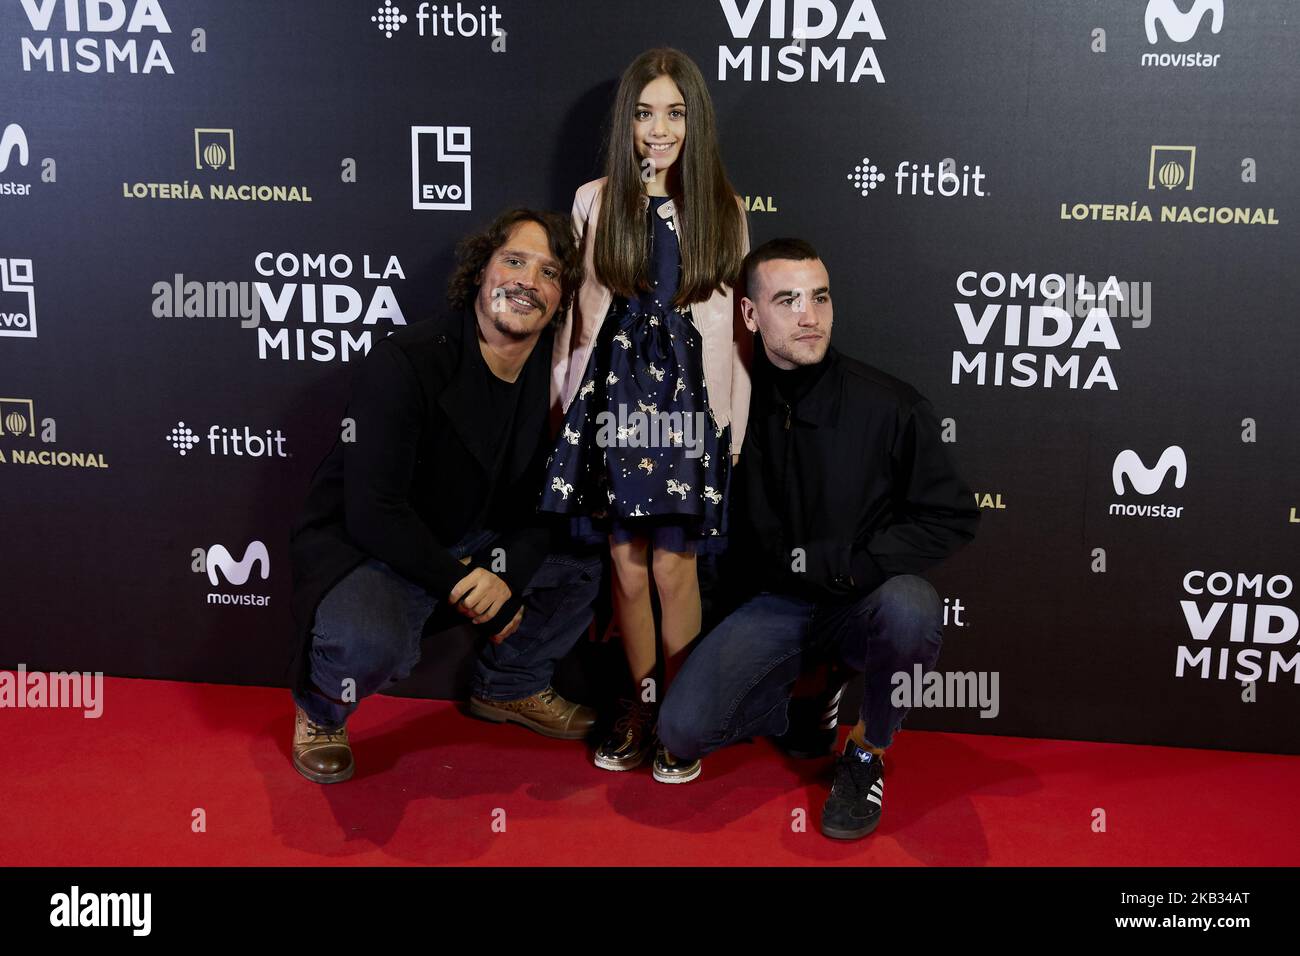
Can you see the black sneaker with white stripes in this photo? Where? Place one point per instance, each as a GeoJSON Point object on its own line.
{"type": "Point", "coordinates": [853, 808]}
{"type": "Point", "coordinates": [812, 722]}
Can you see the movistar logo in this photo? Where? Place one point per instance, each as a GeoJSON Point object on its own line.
{"type": "Point", "coordinates": [12, 138]}
{"type": "Point", "coordinates": [1179, 26]}
{"type": "Point", "coordinates": [237, 572]}
{"type": "Point", "coordinates": [1147, 481]}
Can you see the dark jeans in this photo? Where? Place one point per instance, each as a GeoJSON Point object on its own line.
{"type": "Point", "coordinates": [736, 683]}
{"type": "Point", "coordinates": [368, 627]}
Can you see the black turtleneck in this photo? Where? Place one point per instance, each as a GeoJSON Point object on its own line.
{"type": "Point", "coordinates": [793, 384]}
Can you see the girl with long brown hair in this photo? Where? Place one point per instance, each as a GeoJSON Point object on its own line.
{"type": "Point", "coordinates": [653, 377]}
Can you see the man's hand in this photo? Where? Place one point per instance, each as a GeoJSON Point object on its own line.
{"type": "Point", "coordinates": [510, 628]}
{"type": "Point", "coordinates": [479, 595]}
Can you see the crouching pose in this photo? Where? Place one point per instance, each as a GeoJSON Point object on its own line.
{"type": "Point", "coordinates": [843, 495]}
{"type": "Point", "coordinates": [427, 502]}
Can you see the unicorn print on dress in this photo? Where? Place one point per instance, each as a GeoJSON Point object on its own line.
{"type": "Point", "coordinates": [560, 485]}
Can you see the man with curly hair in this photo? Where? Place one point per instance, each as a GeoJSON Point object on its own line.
{"type": "Point", "coordinates": [426, 504]}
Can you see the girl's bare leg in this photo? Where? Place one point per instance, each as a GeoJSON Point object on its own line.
{"type": "Point", "coordinates": [632, 608]}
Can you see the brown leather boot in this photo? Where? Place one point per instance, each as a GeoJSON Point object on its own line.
{"type": "Point", "coordinates": [320, 755]}
{"type": "Point", "coordinates": [545, 712]}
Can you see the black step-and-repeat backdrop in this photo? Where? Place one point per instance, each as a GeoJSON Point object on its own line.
{"type": "Point", "coordinates": [1071, 225]}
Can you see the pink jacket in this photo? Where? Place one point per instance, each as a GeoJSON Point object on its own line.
{"type": "Point", "coordinates": [726, 341]}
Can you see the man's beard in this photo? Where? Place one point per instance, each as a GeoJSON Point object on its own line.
{"type": "Point", "coordinates": [499, 324]}
{"type": "Point", "coordinates": [498, 318]}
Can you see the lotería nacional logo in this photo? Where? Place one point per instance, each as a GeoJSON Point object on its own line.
{"type": "Point", "coordinates": [920, 179]}
{"type": "Point", "coordinates": [824, 42]}
{"type": "Point", "coordinates": [1221, 629]}
{"type": "Point", "coordinates": [1129, 471]}
{"type": "Point", "coordinates": [214, 149]}
{"type": "Point", "coordinates": [237, 441]}
{"type": "Point", "coordinates": [1043, 344]}
{"type": "Point", "coordinates": [219, 564]}
{"type": "Point", "coordinates": [1172, 167]}
{"type": "Point", "coordinates": [214, 155]}
{"type": "Point", "coordinates": [109, 36]}
{"type": "Point", "coordinates": [440, 167]}
{"type": "Point", "coordinates": [20, 431]}
{"type": "Point", "coordinates": [1171, 171]}
{"type": "Point", "coordinates": [17, 418]}
{"type": "Point", "coordinates": [307, 320]}
{"type": "Point", "coordinates": [17, 299]}
{"type": "Point", "coordinates": [1165, 23]}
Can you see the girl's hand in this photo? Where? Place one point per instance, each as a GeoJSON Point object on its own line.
{"type": "Point", "coordinates": [479, 595]}
{"type": "Point", "coordinates": [510, 628]}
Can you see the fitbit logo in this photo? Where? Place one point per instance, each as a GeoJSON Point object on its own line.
{"type": "Point", "coordinates": [236, 441]}
{"type": "Point", "coordinates": [1148, 481]}
{"type": "Point", "coordinates": [943, 179]}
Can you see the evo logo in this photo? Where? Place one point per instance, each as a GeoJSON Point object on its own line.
{"type": "Point", "coordinates": [440, 172]}
{"type": "Point", "coordinates": [1148, 481]}
{"type": "Point", "coordinates": [17, 299]}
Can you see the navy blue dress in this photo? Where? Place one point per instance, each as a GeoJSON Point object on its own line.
{"type": "Point", "coordinates": [639, 452]}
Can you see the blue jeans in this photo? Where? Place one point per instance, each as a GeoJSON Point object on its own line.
{"type": "Point", "coordinates": [367, 629]}
{"type": "Point", "coordinates": [737, 682]}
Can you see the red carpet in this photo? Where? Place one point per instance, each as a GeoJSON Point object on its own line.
{"type": "Point", "coordinates": [121, 790]}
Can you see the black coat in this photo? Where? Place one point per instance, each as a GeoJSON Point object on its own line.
{"type": "Point", "coordinates": [854, 474]}
{"type": "Point", "coordinates": [421, 471]}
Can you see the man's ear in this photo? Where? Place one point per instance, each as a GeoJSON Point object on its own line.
{"type": "Point", "coordinates": [747, 313]}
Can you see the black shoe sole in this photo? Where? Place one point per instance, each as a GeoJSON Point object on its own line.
{"type": "Point", "coordinates": [835, 833]}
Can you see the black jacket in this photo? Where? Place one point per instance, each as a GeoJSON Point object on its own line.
{"type": "Point", "coordinates": [421, 471]}
{"type": "Point", "coordinates": [854, 474]}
